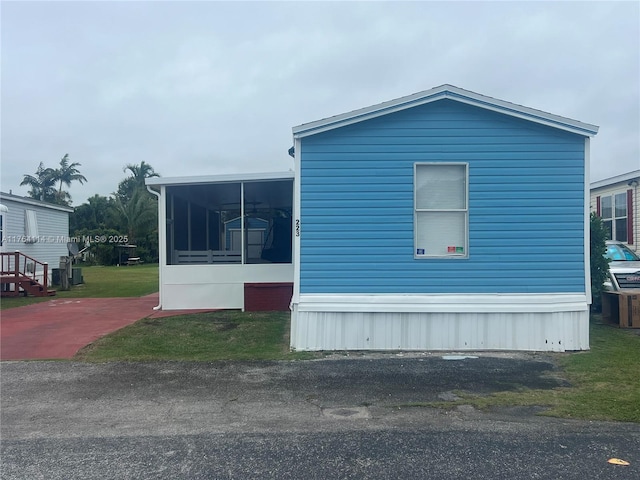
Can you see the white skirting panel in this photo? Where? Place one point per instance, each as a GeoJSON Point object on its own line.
{"type": "Point", "coordinates": [215, 286]}
{"type": "Point", "coordinates": [443, 322]}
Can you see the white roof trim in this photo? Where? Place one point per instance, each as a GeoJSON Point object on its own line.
{"type": "Point", "coordinates": [231, 178]}
{"type": "Point", "coordinates": [9, 197]}
{"type": "Point", "coordinates": [625, 177]}
{"type": "Point", "coordinates": [439, 93]}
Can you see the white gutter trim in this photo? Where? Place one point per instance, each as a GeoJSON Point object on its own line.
{"type": "Point", "coordinates": [297, 226]}
{"type": "Point", "coordinates": [9, 197]}
{"type": "Point", "coordinates": [161, 240]}
{"type": "Point", "coordinates": [587, 220]}
{"type": "Point", "coordinates": [232, 178]}
{"type": "Point", "coordinates": [625, 177]}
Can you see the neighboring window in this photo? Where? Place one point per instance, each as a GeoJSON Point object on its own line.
{"type": "Point", "coordinates": [30, 226]}
{"type": "Point", "coordinates": [1, 229]}
{"type": "Point", "coordinates": [613, 210]}
{"type": "Point", "coordinates": [441, 210]}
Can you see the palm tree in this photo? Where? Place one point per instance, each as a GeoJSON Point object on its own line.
{"type": "Point", "coordinates": [139, 173]}
{"type": "Point", "coordinates": [42, 184]}
{"type": "Point", "coordinates": [137, 215]}
{"type": "Point", "coordinates": [68, 173]}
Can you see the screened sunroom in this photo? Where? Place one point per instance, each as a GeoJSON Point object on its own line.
{"type": "Point", "coordinates": [223, 236]}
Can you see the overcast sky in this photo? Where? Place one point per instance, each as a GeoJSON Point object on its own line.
{"type": "Point", "coordinates": [212, 88]}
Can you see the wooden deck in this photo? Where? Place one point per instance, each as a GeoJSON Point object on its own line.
{"type": "Point", "coordinates": [19, 275]}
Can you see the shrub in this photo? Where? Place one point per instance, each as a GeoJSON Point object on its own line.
{"type": "Point", "coordinates": [599, 263]}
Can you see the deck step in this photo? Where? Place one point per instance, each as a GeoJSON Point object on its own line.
{"type": "Point", "coordinates": [22, 282]}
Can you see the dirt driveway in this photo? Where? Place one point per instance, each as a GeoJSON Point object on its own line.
{"type": "Point", "coordinates": [57, 329]}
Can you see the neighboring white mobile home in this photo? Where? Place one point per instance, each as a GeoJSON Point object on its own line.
{"type": "Point", "coordinates": [34, 228]}
{"type": "Point", "coordinates": [615, 200]}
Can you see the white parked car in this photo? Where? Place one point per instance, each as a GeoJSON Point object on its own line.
{"type": "Point", "coordinates": [624, 268]}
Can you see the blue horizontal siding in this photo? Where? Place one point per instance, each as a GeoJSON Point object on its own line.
{"type": "Point", "coordinates": [320, 174]}
{"type": "Point", "coordinates": [444, 145]}
{"type": "Point", "coordinates": [461, 156]}
{"type": "Point", "coordinates": [526, 197]}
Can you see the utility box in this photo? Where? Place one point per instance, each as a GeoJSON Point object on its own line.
{"type": "Point", "coordinates": [65, 273]}
{"type": "Point", "coordinates": [622, 308]}
{"type": "Point", "coordinates": [76, 276]}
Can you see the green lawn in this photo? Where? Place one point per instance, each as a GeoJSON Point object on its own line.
{"type": "Point", "coordinates": [223, 335]}
{"type": "Point", "coordinates": [606, 379]}
{"type": "Point", "coordinates": [101, 282]}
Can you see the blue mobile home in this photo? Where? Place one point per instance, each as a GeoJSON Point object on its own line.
{"type": "Point", "coordinates": [441, 220]}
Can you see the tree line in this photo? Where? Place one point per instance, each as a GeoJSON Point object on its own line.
{"type": "Point", "coordinates": [130, 212]}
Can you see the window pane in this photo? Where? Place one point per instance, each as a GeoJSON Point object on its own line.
{"type": "Point", "coordinates": [621, 230]}
{"type": "Point", "coordinates": [268, 207]}
{"type": "Point", "coordinates": [196, 218]}
{"type": "Point", "coordinates": [180, 224]}
{"type": "Point", "coordinates": [621, 205]}
{"type": "Point", "coordinates": [198, 224]}
{"type": "Point", "coordinates": [214, 230]}
{"type": "Point", "coordinates": [441, 187]}
{"type": "Point", "coordinates": [608, 226]}
{"type": "Point", "coordinates": [605, 207]}
{"type": "Point", "coordinates": [440, 233]}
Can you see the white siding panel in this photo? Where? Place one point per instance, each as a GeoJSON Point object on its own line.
{"type": "Point", "coordinates": [216, 286]}
{"type": "Point", "coordinates": [203, 296]}
{"type": "Point", "coordinates": [541, 330]}
{"type": "Point", "coordinates": [441, 331]}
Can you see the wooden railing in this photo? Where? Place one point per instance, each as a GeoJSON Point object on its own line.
{"type": "Point", "coordinates": [23, 266]}
{"type": "Point", "coordinates": [194, 257]}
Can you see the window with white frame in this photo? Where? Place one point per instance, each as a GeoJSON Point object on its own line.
{"type": "Point", "coordinates": [613, 211]}
{"type": "Point", "coordinates": [441, 215]}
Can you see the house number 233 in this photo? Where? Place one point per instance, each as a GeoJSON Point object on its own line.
{"type": "Point", "coordinates": [297, 227]}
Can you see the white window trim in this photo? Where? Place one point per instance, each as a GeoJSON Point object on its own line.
{"type": "Point", "coordinates": [616, 217]}
{"type": "Point", "coordinates": [465, 210]}
{"type": "Point", "coordinates": [613, 216]}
